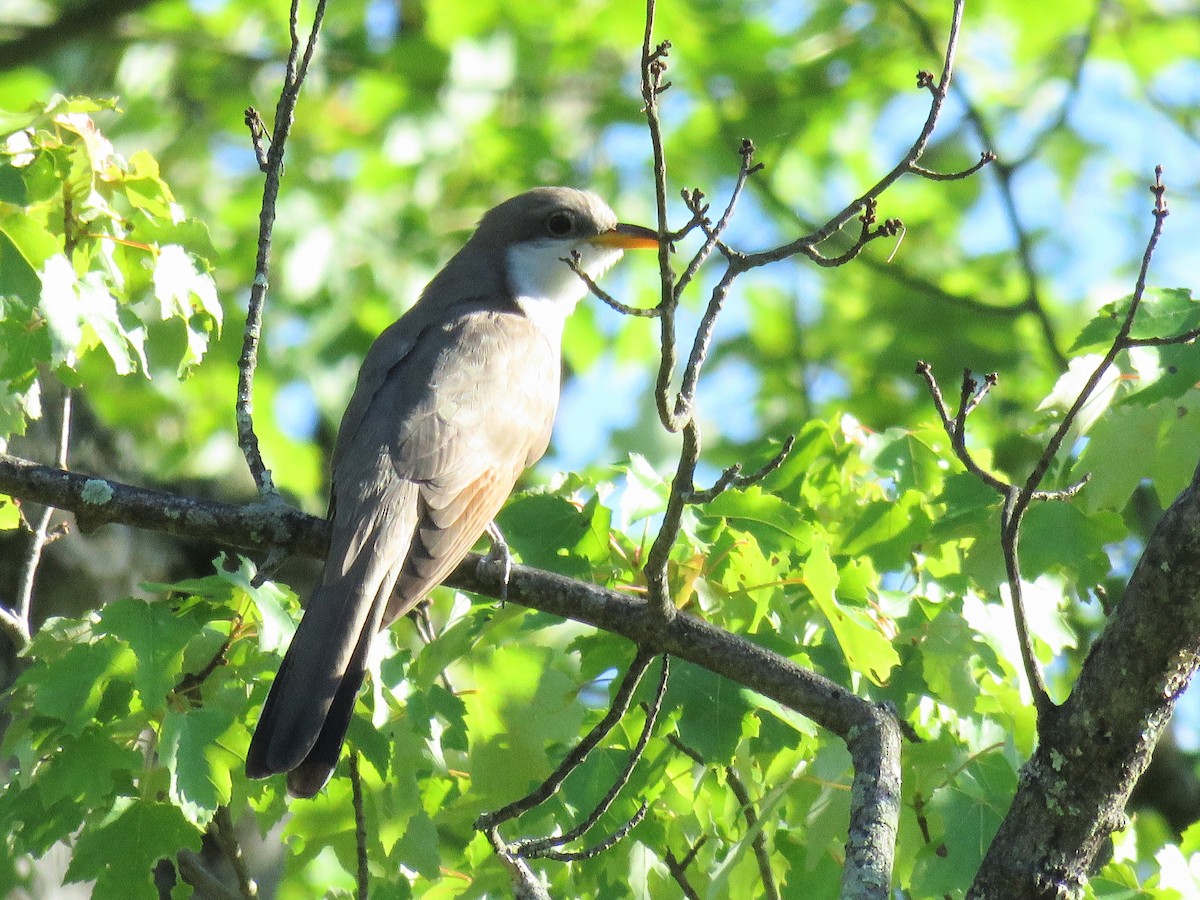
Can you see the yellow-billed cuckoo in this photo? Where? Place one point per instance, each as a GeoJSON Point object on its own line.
{"type": "Point", "coordinates": [454, 401]}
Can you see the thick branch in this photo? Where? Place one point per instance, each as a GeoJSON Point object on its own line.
{"type": "Point", "coordinates": [96, 501]}
{"type": "Point", "coordinates": [870, 731]}
{"type": "Point", "coordinates": [1072, 793]}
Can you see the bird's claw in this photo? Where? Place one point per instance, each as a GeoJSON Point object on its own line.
{"type": "Point", "coordinates": [499, 554]}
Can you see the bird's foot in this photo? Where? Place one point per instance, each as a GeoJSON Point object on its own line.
{"type": "Point", "coordinates": [500, 555]}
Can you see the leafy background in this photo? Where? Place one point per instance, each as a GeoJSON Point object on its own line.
{"type": "Point", "coordinates": [868, 556]}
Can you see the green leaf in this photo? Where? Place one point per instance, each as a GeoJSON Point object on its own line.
{"type": "Point", "coordinates": [777, 525]}
{"type": "Point", "coordinates": [1126, 433]}
{"type": "Point", "coordinates": [711, 710]}
{"type": "Point", "coordinates": [1175, 372]}
{"type": "Point", "coordinates": [889, 530]}
{"type": "Point", "coordinates": [909, 458]}
{"type": "Point", "coordinates": [157, 637]}
{"type": "Point", "coordinates": [949, 660]}
{"type": "Point", "coordinates": [199, 766]}
{"type": "Point", "coordinates": [543, 529]}
{"type": "Point", "coordinates": [10, 513]}
{"type": "Point", "coordinates": [645, 491]}
{"type": "Point", "coordinates": [1059, 537]}
{"type": "Point", "coordinates": [18, 406]}
{"type": "Point", "coordinates": [186, 293]}
{"type": "Point", "coordinates": [418, 849]}
{"type": "Point", "coordinates": [865, 648]}
{"type": "Point", "coordinates": [741, 566]}
{"type": "Point", "coordinates": [962, 819]}
{"type": "Point", "coordinates": [25, 227]}
{"type": "Point", "coordinates": [1070, 386]}
{"type": "Point", "coordinates": [276, 619]}
{"type": "Point", "coordinates": [88, 771]}
{"type": "Point", "coordinates": [60, 304]}
{"type": "Point", "coordinates": [70, 688]}
{"type": "Point", "coordinates": [120, 853]}
{"type": "Point", "coordinates": [1163, 313]}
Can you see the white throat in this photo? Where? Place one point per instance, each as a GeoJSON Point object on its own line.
{"type": "Point", "coordinates": [544, 286]}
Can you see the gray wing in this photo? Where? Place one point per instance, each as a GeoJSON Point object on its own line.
{"type": "Point", "coordinates": [439, 429]}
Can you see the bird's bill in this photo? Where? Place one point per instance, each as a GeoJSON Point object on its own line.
{"type": "Point", "coordinates": [628, 237]}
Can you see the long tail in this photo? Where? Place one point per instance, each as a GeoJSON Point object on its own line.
{"type": "Point", "coordinates": [304, 720]}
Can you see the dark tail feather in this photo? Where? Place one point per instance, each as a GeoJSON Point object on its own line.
{"type": "Point", "coordinates": [257, 765]}
{"type": "Point", "coordinates": [308, 709]}
{"type": "Point", "coordinates": [311, 774]}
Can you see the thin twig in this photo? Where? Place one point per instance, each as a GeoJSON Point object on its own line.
{"type": "Point", "coordinates": [1010, 534]}
{"type": "Point", "coordinates": [678, 870]}
{"type": "Point", "coordinates": [544, 846]}
{"type": "Point", "coordinates": [759, 842]}
{"type": "Point", "coordinates": [834, 224]}
{"type": "Point", "coordinates": [658, 589]}
{"type": "Point", "coordinates": [1120, 343]}
{"type": "Point", "coordinates": [712, 235]}
{"type": "Point", "coordinates": [297, 69]}
{"type": "Point", "coordinates": [1184, 338]}
{"type": "Point", "coordinates": [419, 615]}
{"type": "Point", "coordinates": [738, 787]}
{"type": "Point", "coordinates": [690, 752]}
{"type": "Point", "coordinates": [190, 682]}
{"type": "Point", "coordinates": [867, 233]}
{"type": "Point", "coordinates": [573, 261]}
{"type": "Point", "coordinates": [732, 477]}
{"type": "Point", "coordinates": [596, 849]}
{"type": "Point", "coordinates": [226, 836]}
{"type": "Point", "coordinates": [258, 133]}
{"type": "Point", "coordinates": [694, 199]}
{"type": "Point", "coordinates": [987, 156]}
{"type": "Point", "coordinates": [360, 827]}
{"type": "Point", "coordinates": [653, 65]}
{"type": "Point", "coordinates": [193, 870]}
{"type": "Point", "coordinates": [21, 619]}
{"type": "Point", "coordinates": [547, 789]}
{"type": "Point", "coordinates": [955, 426]}
{"type": "Point", "coordinates": [1017, 502]}
{"type": "Point", "coordinates": [686, 399]}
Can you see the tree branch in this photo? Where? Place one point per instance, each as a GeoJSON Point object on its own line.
{"type": "Point", "coordinates": [758, 843]}
{"type": "Point", "coordinates": [297, 69]}
{"type": "Point", "coordinates": [653, 66]}
{"type": "Point", "coordinates": [226, 835]}
{"type": "Point", "coordinates": [904, 167]}
{"type": "Point", "coordinates": [362, 872]}
{"type": "Point", "coordinates": [547, 789]}
{"type": "Point", "coordinates": [870, 731]}
{"type": "Point", "coordinates": [19, 621]}
{"type": "Point", "coordinates": [99, 501]}
{"type": "Point", "coordinates": [544, 846]}
{"type": "Point", "coordinates": [1072, 793]}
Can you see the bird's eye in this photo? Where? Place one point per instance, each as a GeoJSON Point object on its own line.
{"type": "Point", "coordinates": [559, 224]}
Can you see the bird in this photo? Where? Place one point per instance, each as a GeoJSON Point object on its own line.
{"type": "Point", "coordinates": [453, 402]}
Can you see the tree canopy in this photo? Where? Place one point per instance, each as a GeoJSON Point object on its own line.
{"type": "Point", "coordinates": [906, 553]}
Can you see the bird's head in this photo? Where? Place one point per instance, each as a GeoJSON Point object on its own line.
{"type": "Point", "coordinates": [539, 229]}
